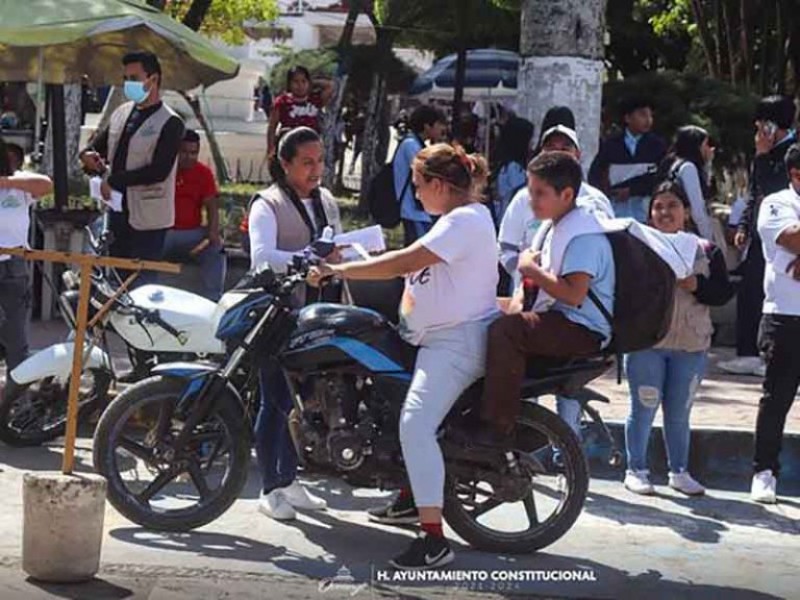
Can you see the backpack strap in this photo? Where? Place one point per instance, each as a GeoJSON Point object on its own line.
{"type": "Point", "coordinates": [608, 317]}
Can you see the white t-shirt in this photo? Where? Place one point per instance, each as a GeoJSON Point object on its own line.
{"type": "Point", "coordinates": [15, 219]}
{"type": "Point", "coordinates": [778, 212]}
{"type": "Point", "coordinates": [461, 288]}
{"type": "Point", "coordinates": [519, 224]}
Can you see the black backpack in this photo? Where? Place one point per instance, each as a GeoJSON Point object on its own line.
{"type": "Point", "coordinates": [644, 294]}
{"type": "Point", "coordinates": [382, 198]}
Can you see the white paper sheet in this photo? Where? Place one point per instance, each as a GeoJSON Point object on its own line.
{"type": "Point", "coordinates": [95, 191]}
{"type": "Point", "coordinates": [359, 244]}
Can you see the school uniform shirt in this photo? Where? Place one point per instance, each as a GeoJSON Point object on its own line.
{"type": "Point", "coordinates": [590, 254]}
{"type": "Point", "coordinates": [299, 112]}
{"type": "Point", "coordinates": [15, 219]}
{"type": "Point", "coordinates": [519, 224]}
{"type": "Point", "coordinates": [461, 288]}
{"type": "Point", "coordinates": [410, 208]}
{"type": "Point", "coordinates": [778, 212]}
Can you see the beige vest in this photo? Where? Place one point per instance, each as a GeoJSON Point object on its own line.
{"type": "Point", "coordinates": [293, 234]}
{"type": "Point", "coordinates": [691, 327]}
{"type": "Point", "coordinates": [150, 206]}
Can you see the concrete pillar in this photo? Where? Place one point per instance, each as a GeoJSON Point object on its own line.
{"type": "Point", "coordinates": [62, 530]}
{"type": "Point", "coordinates": [562, 65]}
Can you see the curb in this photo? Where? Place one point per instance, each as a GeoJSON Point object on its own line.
{"type": "Point", "coordinates": [720, 458]}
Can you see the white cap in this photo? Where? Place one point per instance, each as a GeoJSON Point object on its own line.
{"type": "Point", "coordinates": [563, 130]}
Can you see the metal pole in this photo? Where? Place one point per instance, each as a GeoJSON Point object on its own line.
{"type": "Point", "coordinates": [59, 129]}
{"type": "Point", "coordinates": [40, 110]}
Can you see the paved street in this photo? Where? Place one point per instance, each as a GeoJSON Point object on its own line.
{"type": "Point", "coordinates": [665, 546]}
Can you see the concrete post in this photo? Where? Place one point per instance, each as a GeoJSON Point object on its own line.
{"type": "Point", "coordinates": [562, 65]}
{"type": "Point", "coordinates": [63, 525]}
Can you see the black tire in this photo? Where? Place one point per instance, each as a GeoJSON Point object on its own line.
{"type": "Point", "coordinates": [13, 393]}
{"type": "Point", "coordinates": [121, 498]}
{"type": "Point", "coordinates": [484, 539]}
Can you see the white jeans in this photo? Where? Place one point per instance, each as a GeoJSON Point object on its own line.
{"type": "Point", "coordinates": [449, 361]}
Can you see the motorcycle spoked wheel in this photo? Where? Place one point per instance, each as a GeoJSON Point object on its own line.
{"type": "Point", "coordinates": [152, 487]}
{"type": "Point", "coordinates": [36, 413]}
{"type": "Point", "coordinates": [557, 480]}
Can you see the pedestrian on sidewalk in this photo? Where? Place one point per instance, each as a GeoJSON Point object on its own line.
{"type": "Point", "coordinates": [688, 164]}
{"type": "Point", "coordinates": [426, 124]}
{"type": "Point", "coordinates": [775, 133]}
{"type": "Point", "coordinates": [284, 219]}
{"type": "Point", "coordinates": [18, 192]}
{"type": "Point", "coordinates": [669, 374]}
{"type": "Point", "coordinates": [779, 337]}
{"type": "Point", "coordinates": [195, 190]}
{"type": "Point", "coordinates": [626, 165]}
{"type": "Point", "coordinates": [137, 155]}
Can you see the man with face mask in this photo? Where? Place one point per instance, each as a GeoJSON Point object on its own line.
{"type": "Point", "coordinates": [137, 156]}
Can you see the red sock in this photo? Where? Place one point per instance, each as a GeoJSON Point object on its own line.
{"type": "Point", "coordinates": [434, 529]}
{"type": "Point", "coordinates": [405, 494]}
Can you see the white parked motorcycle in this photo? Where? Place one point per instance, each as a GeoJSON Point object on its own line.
{"type": "Point", "coordinates": [157, 323]}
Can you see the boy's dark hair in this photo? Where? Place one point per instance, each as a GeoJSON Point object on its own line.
{"type": "Point", "coordinates": [792, 158]}
{"type": "Point", "coordinates": [558, 169]}
{"type": "Point", "coordinates": [778, 109]}
{"type": "Point", "coordinates": [425, 115]}
{"type": "Point", "coordinates": [297, 70]}
{"type": "Point", "coordinates": [191, 136]}
{"type": "Point", "coordinates": [633, 103]}
{"type": "Point", "coordinates": [17, 150]}
{"type": "Point", "coordinates": [147, 59]}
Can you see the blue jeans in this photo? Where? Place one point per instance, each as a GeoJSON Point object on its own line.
{"type": "Point", "coordinates": [277, 458]}
{"type": "Point", "coordinates": [635, 207]}
{"type": "Point", "coordinates": [178, 244]}
{"type": "Point", "coordinates": [670, 378]}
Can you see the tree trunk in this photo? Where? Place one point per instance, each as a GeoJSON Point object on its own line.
{"type": "Point", "coordinates": [221, 168]}
{"type": "Point", "coordinates": [196, 13]}
{"type": "Point", "coordinates": [159, 4]}
{"type": "Point", "coordinates": [562, 64]}
{"type": "Point", "coordinates": [458, 91]}
{"type": "Point", "coordinates": [729, 39]}
{"type": "Point", "coordinates": [334, 109]}
{"type": "Point", "coordinates": [780, 38]}
{"type": "Point", "coordinates": [373, 156]}
{"type": "Point", "coordinates": [744, 43]}
{"type": "Point", "coordinates": [705, 36]}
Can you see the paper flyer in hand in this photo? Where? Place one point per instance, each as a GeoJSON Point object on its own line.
{"type": "Point", "coordinates": [361, 243]}
{"type": "Point", "coordinates": [95, 191]}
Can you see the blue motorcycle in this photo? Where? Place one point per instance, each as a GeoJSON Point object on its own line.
{"type": "Point", "coordinates": [175, 448]}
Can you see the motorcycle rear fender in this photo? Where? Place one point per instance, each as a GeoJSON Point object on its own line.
{"type": "Point", "coordinates": [56, 361]}
{"type": "Point", "coordinates": [196, 374]}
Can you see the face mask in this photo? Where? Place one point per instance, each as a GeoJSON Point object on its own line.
{"type": "Point", "coordinates": [135, 92]}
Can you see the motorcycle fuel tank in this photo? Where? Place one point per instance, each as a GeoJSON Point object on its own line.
{"type": "Point", "coordinates": [330, 336]}
{"type": "Point", "coordinates": [194, 316]}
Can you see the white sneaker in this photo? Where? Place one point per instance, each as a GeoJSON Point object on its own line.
{"type": "Point", "coordinates": [683, 482]}
{"type": "Point", "coordinates": [638, 482]}
{"type": "Point", "coordinates": [744, 365]}
{"type": "Point", "coordinates": [275, 506]}
{"type": "Point", "coordinates": [763, 488]}
{"type": "Point", "coordinates": [300, 497]}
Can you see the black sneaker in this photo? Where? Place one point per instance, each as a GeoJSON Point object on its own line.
{"type": "Point", "coordinates": [402, 511]}
{"type": "Point", "coordinates": [426, 552]}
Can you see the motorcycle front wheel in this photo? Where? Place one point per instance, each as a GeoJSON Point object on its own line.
{"type": "Point", "coordinates": [522, 508]}
{"type": "Point", "coordinates": [36, 413]}
{"type": "Point", "coordinates": [155, 484]}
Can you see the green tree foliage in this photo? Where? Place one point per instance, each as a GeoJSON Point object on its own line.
{"type": "Point", "coordinates": [224, 19]}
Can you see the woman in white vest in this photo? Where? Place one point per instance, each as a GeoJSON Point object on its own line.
{"type": "Point", "coordinates": [285, 219]}
{"type": "Point", "coordinates": [18, 192]}
{"type": "Point", "coordinates": [448, 303]}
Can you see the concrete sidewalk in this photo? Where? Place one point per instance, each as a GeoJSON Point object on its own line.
{"type": "Point", "coordinates": [660, 547]}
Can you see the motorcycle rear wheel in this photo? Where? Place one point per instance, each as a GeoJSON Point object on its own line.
{"type": "Point", "coordinates": [464, 513]}
{"type": "Point", "coordinates": [36, 413]}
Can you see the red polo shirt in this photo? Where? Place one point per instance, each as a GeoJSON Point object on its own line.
{"type": "Point", "coordinates": [192, 187]}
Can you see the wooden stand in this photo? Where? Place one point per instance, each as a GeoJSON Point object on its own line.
{"type": "Point", "coordinates": [86, 262]}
